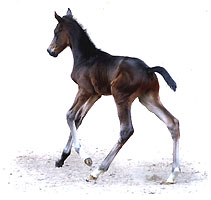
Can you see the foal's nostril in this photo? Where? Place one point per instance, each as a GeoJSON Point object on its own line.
{"type": "Point", "coordinates": [52, 53]}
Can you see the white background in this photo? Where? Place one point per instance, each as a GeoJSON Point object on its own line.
{"type": "Point", "coordinates": [36, 90]}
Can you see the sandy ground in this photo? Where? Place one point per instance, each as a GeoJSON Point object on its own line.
{"type": "Point", "coordinates": [36, 92]}
{"type": "Point", "coordinates": [32, 173]}
{"type": "Point", "coordinates": [137, 172]}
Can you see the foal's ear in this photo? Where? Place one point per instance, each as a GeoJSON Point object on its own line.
{"type": "Point", "coordinates": [59, 19]}
{"type": "Point", "coordinates": [69, 13]}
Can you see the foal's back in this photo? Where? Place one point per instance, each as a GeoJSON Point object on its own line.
{"type": "Point", "coordinates": [103, 70]}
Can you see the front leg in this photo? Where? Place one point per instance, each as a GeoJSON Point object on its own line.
{"type": "Point", "coordinates": [81, 105]}
{"type": "Point", "coordinates": [78, 148]}
{"type": "Point", "coordinates": [84, 110]}
{"type": "Point", "coordinates": [66, 152]}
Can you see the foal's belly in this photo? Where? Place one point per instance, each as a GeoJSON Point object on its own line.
{"type": "Point", "coordinates": [101, 87]}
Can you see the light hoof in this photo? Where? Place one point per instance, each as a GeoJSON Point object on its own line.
{"type": "Point", "coordinates": [171, 179]}
{"type": "Point", "coordinates": [169, 182]}
{"type": "Point", "coordinates": [95, 174]}
{"type": "Point", "coordinates": [88, 161]}
{"type": "Point", "coordinates": [92, 178]}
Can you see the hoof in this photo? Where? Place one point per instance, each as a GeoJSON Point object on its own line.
{"type": "Point", "coordinates": [168, 182]}
{"type": "Point", "coordinates": [171, 179]}
{"type": "Point", "coordinates": [92, 178]}
{"type": "Point", "coordinates": [95, 174]}
{"type": "Point", "coordinates": [59, 163]}
{"type": "Point", "coordinates": [88, 161]}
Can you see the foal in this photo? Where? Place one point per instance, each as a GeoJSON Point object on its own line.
{"type": "Point", "coordinates": [98, 73]}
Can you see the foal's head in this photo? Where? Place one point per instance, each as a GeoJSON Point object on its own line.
{"type": "Point", "coordinates": [61, 39]}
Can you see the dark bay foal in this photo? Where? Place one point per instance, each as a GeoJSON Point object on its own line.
{"type": "Point", "coordinates": [98, 73]}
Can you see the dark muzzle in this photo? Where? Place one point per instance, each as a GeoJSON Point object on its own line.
{"type": "Point", "coordinates": [52, 53]}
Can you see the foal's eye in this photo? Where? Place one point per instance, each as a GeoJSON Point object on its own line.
{"type": "Point", "coordinates": [57, 31]}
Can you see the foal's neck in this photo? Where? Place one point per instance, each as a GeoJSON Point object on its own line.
{"type": "Point", "coordinates": [82, 46]}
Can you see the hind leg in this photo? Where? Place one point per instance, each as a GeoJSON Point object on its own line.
{"type": "Point", "coordinates": [153, 104]}
{"type": "Point", "coordinates": [126, 131]}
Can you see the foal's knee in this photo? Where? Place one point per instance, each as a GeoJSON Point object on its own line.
{"type": "Point", "coordinates": [126, 133]}
{"type": "Point", "coordinates": [173, 127]}
{"type": "Point", "coordinates": [70, 116]}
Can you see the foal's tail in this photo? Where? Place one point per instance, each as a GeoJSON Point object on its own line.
{"type": "Point", "coordinates": [162, 71]}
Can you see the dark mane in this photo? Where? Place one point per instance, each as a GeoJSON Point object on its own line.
{"type": "Point", "coordinates": [81, 37]}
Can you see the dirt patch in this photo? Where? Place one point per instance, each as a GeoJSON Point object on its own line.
{"type": "Point", "coordinates": [33, 172]}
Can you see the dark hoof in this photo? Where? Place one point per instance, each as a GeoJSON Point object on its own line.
{"type": "Point", "coordinates": [59, 163]}
{"type": "Point", "coordinates": [88, 161]}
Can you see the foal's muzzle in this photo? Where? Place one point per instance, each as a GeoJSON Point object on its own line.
{"type": "Point", "coordinates": [52, 53]}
